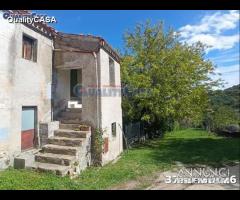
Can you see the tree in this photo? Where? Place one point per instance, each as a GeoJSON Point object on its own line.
{"type": "Point", "coordinates": [166, 80]}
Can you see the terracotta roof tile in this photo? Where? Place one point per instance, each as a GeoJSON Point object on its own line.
{"type": "Point", "coordinates": [88, 43]}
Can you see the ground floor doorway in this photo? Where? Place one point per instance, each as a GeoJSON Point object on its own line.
{"type": "Point", "coordinates": [75, 88]}
{"type": "Point", "coordinates": [28, 128]}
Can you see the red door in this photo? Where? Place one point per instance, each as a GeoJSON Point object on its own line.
{"type": "Point", "coordinates": [28, 128]}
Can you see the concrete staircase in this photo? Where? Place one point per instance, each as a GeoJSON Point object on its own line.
{"type": "Point", "coordinates": [68, 151]}
{"type": "Point", "coordinates": [71, 116]}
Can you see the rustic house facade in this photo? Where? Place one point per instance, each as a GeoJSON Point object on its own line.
{"type": "Point", "coordinates": [56, 91]}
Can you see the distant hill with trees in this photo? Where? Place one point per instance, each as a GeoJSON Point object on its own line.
{"type": "Point", "coordinates": [228, 97]}
{"type": "Point", "coordinates": [223, 115]}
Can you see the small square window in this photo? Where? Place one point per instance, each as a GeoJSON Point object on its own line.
{"type": "Point", "coordinates": [114, 129]}
{"type": "Point", "coordinates": [29, 48]}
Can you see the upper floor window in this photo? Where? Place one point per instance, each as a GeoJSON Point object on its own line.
{"type": "Point", "coordinates": [114, 129]}
{"type": "Point", "coordinates": [111, 72]}
{"type": "Point", "coordinates": [29, 48]}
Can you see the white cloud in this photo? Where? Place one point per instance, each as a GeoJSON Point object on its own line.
{"type": "Point", "coordinates": [230, 79]}
{"type": "Point", "coordinates": [223, 59]}
{"type": "Point", "coordinates": [229, 74]}
{"type": "Point", "coordinates": [220, 22]}
{"type": "Point", "coordinates": [215, 41]}
{"type": "Point", "coordinates": [210, 31]}
{"type": "Point", "coordinates": [228, 69]}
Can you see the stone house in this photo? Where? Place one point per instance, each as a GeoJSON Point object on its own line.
{"type": "Point", "coordinates": [56, 91]}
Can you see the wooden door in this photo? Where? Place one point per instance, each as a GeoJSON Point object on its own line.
{"type": "Point", "coordinates": [28, 127]}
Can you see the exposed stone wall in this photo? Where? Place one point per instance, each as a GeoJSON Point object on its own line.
{"type": "Point", "coordinates": [84, 156]}
{"type": "Point", "coordinates": [46, 130]}
{"type": "Point", "coordinates": [4, 160]}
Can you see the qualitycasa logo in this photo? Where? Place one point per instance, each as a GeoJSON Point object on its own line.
{"type": "Point", "coordinates": [28, 18]}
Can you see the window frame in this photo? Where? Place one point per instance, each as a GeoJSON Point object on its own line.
{"type": "Point", "coordinates": [112, 72]}
{"type": "Point", "coordinates": [114, 129]}
{"type": "Point", "coordinates": [34, 47]}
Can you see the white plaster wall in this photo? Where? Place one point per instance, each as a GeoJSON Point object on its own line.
{"type": "Point", "coordinates": [22, 82]}
{"type": "Point", "coordinates": [111, 110]}
{"type": "Point", "coordinates": [62, 91]}
{"type": "Point", "coordinates": [63, 84]}
{"type": "Point", "coordinates": [6, 36]}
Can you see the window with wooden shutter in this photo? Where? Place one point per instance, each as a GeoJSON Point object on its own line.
{"type": "Point", "coordinates": [29, 48]}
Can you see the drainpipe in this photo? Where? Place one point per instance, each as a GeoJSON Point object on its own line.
{"type": "Point", "coordinates": [52, 82]}
{"type": "Point", "coordinates": [96, 65]}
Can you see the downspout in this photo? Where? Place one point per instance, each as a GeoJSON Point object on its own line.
{"type": "Point", "coordinates": [97, 81]}
{"type": "Point", "coordinates": [52, 82]}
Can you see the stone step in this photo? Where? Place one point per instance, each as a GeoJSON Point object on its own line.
{"type": "Point", "coordinates": [81, 127]}
{"type": "Point", "coordinates": [71, 115]}
{"type": "Point", "coordinates": [74, 110]}
{"type": "Point", "coordinates": [70, 133]}
{"type": "Point", "coordinates": [63, 141]}
{"type": "Point", "coordinates": [58, 159]}
{"type": "Point", "coordinates": [70, 121]}
{"type": "Point", "coordinates": [59, 170]}
{"type": "Point", "coordinates": [57, 149]}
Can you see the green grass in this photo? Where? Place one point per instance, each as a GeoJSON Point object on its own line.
{"type": "Point", "coordinates": [186, 146]}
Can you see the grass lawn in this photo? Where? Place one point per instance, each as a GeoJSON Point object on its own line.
{"type": "Point", "coordinates": [186, 146]}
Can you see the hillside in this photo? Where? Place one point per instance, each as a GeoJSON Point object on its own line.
{"type": "Point", "coordinates": [228, 97]}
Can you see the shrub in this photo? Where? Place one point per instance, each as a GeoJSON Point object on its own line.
{"type": "Point", "coordinates": [97, 146]}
